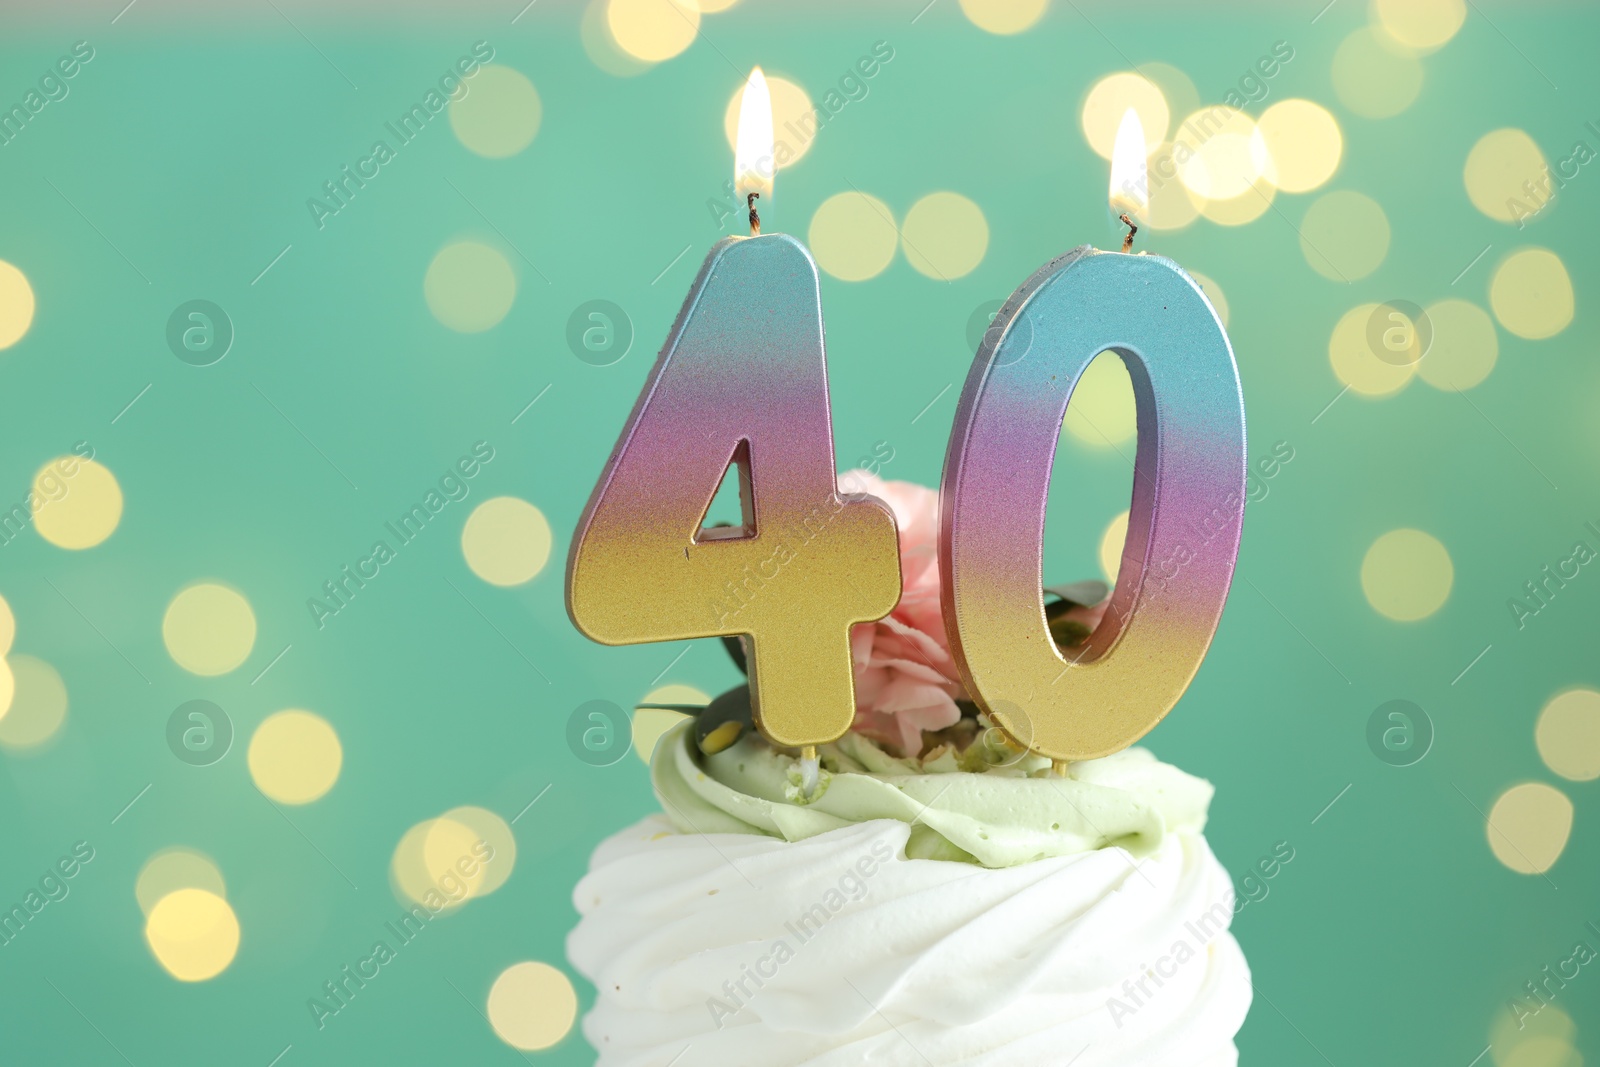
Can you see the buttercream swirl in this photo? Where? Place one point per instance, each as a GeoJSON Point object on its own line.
{"type": "Point", "coordinates": [1086, 923]}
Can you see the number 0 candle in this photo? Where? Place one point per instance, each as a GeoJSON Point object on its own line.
{"type": "Point", "coordinates": [1183, 525]}
{"type": "Point", "coordinates": [742, 382]}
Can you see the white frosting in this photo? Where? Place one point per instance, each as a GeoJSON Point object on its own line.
{"type": "Point", "coordinates": [912, 962]}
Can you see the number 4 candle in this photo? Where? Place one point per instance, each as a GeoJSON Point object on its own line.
{"type": "Point", "coordinates": [742, 382]}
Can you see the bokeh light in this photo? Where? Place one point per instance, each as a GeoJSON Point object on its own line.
{"type": "Point", "coordinates": [853, 236]}
{"type": "Point", "coordinates": [532, 1005]}
{"type": "Point", "coordinates": [506, 541]}
{"type": "Point", "coordinates": [173, 869]}
{"type": "Point", "coordinates": [492, 845]}
{"type": "Point", "coordinates": [1344, 236]}
{"type": "Point", "coordinates": [1374, 75]}
{"type": "Point", "coordinates": [1102, 410]}
{"type": "Point", "coordinates": [1357, 364]}
{"type": "Point", "coordinates": [78, 502]}
{"type": "Point", "coordinates": [649, 724]}
{"type": "Point", "coordinates": [1177, 88]}
{"type": "Point", "coordinates": [1465, 345]}
{"type": "Point", "coordinates": [652, 30]}
{"type": "Point", "coordinates": [295, 756]}
{"type": "Point", "coordinates": [38, 704]}
{"type": "Point", "coordinates": [1533, 1038]}
{"type": "Point", "coordinates": [1004, 16]}
{"type": "Point", "coordinates": [1500, 164]}
{"type": "Point", "coordinates": [193, 933]}
{"type": "Point", "coordinates": [1531, 293]}
{"type": "Point", "coordinates": [945, 235]}
{"type": "Point", "coordinates": [1529, 826]}
{"type": "Point", "coordinates": [1420, 24]}
{"type": "Point", "coordinates": [1238, 210]}
{"type": "Point", "coordinates": [469, 286]}
{"type": "Point", "coordinates": [1172, 206]}
{"type": "Point", "coordinates": [1111, 544]}
{"type": "Point", "coordinates": [1298, 144]}
{"type": "Point", "coordinates": [594, 32]}
{"type": "Point", "coordinates": [8, 627]}
{"type": "Point", "coordinates": [1214, 154]}
{"type": "Point", "coordinates": [794, 122]}
{"type": "Point", "coordinates": [1568, 734]}
{"type": "Point", "coordinates": [16, 304]}
{"type": "Point", "coordinates": [1406, 575]}
{"type": "Point", "coordinates": [500, 113]}
{"type": "Point", "coordinates": [209, 629]}
{"type": "Point", "coordinates": [1110, 99]}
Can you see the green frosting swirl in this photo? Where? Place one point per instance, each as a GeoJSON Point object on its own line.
{"type": "Point", "coordinates": [983, 806]}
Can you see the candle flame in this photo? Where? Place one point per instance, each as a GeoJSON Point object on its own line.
{"type": "Point", "coordinates": [753, 165]}
{"type": "Point", "coordinates": [1130, 181]}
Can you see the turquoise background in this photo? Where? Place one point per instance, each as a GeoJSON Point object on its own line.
{"type": "Point", "coordinates": [187, 149]}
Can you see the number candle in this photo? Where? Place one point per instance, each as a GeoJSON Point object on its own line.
{"type": "Point", "coordinates": [742, 381]}
{"type": "Point", "coordinates": [1183, 525]}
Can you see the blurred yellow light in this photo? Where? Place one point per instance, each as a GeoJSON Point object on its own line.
{"type": "Point", "coordinates": [209, 629]}
{"type": "Point", "coordinates": [474, 842]}
{"type": "Point", "coordinates": [1354, 361]}
{"type": "Point", "coordinates": [853, 236]}
{"type": "Point", "coordinates": [1345, 235]}
{"type": "Point", "coordinates": [945, 236]}
{"type": "Point", "coordinates": [1298, 144]}
{"type": "Point", "coordinates": [1549, 1025]}
{"type": "Point", "coordinates": [173, 869]}
{"type": "Point", "coordinates": [1212, 149]}
{"type": "Point", "coordinates": [601, 47]}
{"type": "Point", "coordinates": [1529, 826]}
{"type": "Point", "coordinates": [1172, 206]}
{"type": "Point", "coordinates": [8, 627]}
{"type": "Point", "coordinates": [1568, 734]}
{"type": "Point", "coordinates": [1101, 411]}
{"type": "Point", "coordinates": [506, 541]}
{"type": "Point", "coordinates": [1531, 293]}
{"type": "Point", "coordinates": [295, 756]}
{"type": "Point", "coordinates": [1374, 75]}
{"type": "Point", "coordinates": [193, 934]}
{"type": "Point", "coordinates": [1465, 345]}
{"type": "Point", "coordinates": [1177, 88]}
{"type": "Point", "coordinates": [1004, 16]}
{"type": "Point", "coordinates": [16, 304]}
{"type": "Point", "coordinates": [38, 704]}
{"type": "Point", "coordinates": [652, 30]}
{"type": "Point", "coordinates": [500, 113]}
{"type": "Point", "coordinates": [649, 724]}
{"type": "Point", "coordinates": [1505, 175]}
{"type": "Point", "coordinates": [1238, 210]}
{"type": "Point", "coordinates": [1111, 545]}
{"type": "Point", "coordinates": [1407, 574]}
{"type": "Point", "coordinates": [78, 502]}
{"type": "Point", "coordinates": [532, 1006]}
{"type": "Point", "coordinates": [1420, 24]}
{"type": "Point", "coordinates": [1107, 106]}
{"type": "Point", "coordinates": [469, 287]}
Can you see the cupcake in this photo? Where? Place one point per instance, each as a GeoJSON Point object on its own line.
{"type": "Point", "coordinates": [938, 897]}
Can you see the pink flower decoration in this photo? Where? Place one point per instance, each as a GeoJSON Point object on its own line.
{"type": "Point", "coordinates": [906, 679]}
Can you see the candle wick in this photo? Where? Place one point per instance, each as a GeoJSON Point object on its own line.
{"type": "Point", "coordinates": [755, 216]}
{"type": "Point", "coordinates": [1127, 242]}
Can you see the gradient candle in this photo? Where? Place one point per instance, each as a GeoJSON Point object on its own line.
{"type": "Point", "coordinates": [742, 382]}
{"type": "Point", "coordinates": [1184, 522]}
